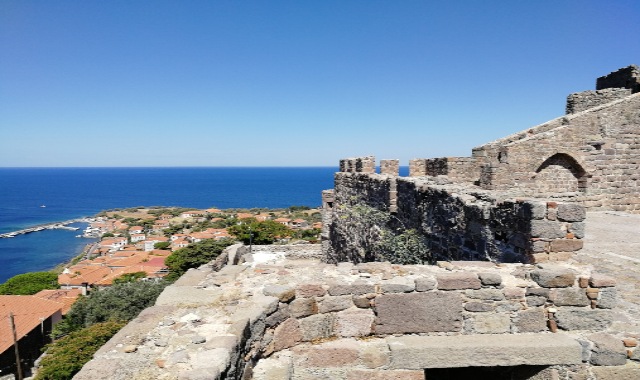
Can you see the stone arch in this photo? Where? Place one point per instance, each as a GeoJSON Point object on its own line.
{"type": "Point", "coordinates": [561, 173]}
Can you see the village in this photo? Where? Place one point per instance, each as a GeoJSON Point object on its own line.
{"type": "Point", "coordinates": [133, 246]}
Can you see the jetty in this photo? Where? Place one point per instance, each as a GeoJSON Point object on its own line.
{"type": "Point", "coordinates": [42, 227]}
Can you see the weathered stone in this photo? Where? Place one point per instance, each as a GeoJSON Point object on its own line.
{"type": "Point", "coordinates": [398, 285]}
{"type": "Point", "coordinates": [486, 323]}
{"type": "Point", "coordinates": [337, 303]}
{"type": "Point", "coordinates": [287, 334]}
{"type": "Point", "coordinates": [569, 297]}
{"type": "Point", "coordinates": [566, 245]}
{"type": "Point", "coordinates": [354, 289]}
{"type": "Point", "coordinates": [508, 307]}
{"type": "Point", "coordinates": [533, 301]}
{"type": "Point", "coordinates": [607, 350]}
{"type": "Point", "coordinates": [278, 317]}
{"type": "Point", "coordinates": [577, 229]}
{"type": "Point", "coordinates": [571, 212]}
{"type": "Point", "coordinates": [485, 294]}
{"type": "Point", "coordinates": [198, 339]}
{"type": "Point", "coordinates": [310, 290]}
{"type": "Point", "coordinates": [318, 326]}
{"type": "Point", "coordinates": [303, 307]}
{"type": "Point", "coordinates": [418, 312]}
{"type": "Point", "coordinates": [273, 368]}
{"type": "Point", "coordinates": [616, 373]}
{"type": "Point", "coordinates": [478, 307]}
{"type": "Point", "coordinates": [354, 322]}
{"type": "Point", "coordinates": [601, 281]}
{"type": "Point", "coordinates": [424, 284]}
{"type": "Point", "coordinates": [362, 302]}
{"type": "Point", "coordinates": [457, 281]}
{"type": "Point", "coordinates": [513, 293]}
{"type": "Point", "coordinates": [130, 348]}
{"type": "Point", "coordinates": [551, 277]}
{"type": "Point", "coordinates": [282, 292]}
{"type": "Point", "coordinates": [531, 320]}
{"type": "Point", "coordinates": [374, 354]}
{"type": "Point", "coordinates": [333, 354]}
{"type": "Point", "coordinates": [418, 352]}
{"type": "Point", "coordinates": [490, 279]}
{"type": "Point", "coordinates": [539, 246]}
{"type": "Point", "coordinates": [630, 342]}
{"type": "Point", "coordinates": [546, 229]}
{"type": "Point", "coordinates": [608, 298]}
{"type": "Point", "coordinates": [583, 319]}
{"type": "Point", "coordinates": [368, 374]}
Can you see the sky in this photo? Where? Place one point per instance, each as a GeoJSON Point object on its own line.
{"type": "Point", "coordinates": [291, 83]}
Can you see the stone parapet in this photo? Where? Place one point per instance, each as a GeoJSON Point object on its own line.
{"type": "Point", "coordinates": [627, 77]}
{"type": "Point", "coordinates": [390, 167]}
{"type": "Point", "coordinates": [581, 101]}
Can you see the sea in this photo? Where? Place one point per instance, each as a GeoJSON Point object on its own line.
{"type": "Point", "coordinates": [70, 193]}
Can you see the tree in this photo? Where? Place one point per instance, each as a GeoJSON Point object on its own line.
{"type": "Point", "coordinates": [30, 283]}
{"type": "Point", "coordinates": [120, 302]}
{"type": "Point", "coordinates": [129, 277]}
{"type": "Point", "coordinates": [162, 245]}
{"type": "Point", "coordinates": [66, 356]}
{"type": "Point", "coordinates": [265, 232]}
{"type": "Point", "coordinates": [194, 255]}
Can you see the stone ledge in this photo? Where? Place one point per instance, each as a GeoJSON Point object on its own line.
{"type": "Point", "coordinates": [417, 352]}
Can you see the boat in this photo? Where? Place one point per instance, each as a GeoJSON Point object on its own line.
{"type": "Point", "coordinates": [42, 206]}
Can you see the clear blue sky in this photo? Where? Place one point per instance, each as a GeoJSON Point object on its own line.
{"type": "Point", "coordinates": [291, 83]}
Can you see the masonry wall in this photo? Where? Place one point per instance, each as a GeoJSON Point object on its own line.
{"type": "Point", "coordinates": [451, 222]}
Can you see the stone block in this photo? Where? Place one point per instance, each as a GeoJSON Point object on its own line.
{"type": "Point", "coordinates": [310, 290]}
{"type": "Point", "coordinates": [490, 279]}
{"type": "Point", "coordinates": [457, 281]}
{"type": "Point", "coordinates": [547, 229]}
{"type": "Point", "coordinates": [368, 374]}
{"type": "Point", "coordinates": [553, 277]}
{"type": "Point", "coordinates": [608, 298]}
{"type": "Point", "coordinates": [513, 293]}
{"type": "Point", "coordinates": [363, 302]}
{"type": "Point", "coordinates": [478, 307]}
{"type": "Point", "coordinates": [374, 354]}
{"type": "Point", "coordinates": [418, 352]}
{"type": "Point", "coordinates": [531, 321]}
{"type": "Point", "coordinates": [286, 335]}
{"type": "Point", "coordinates": [569, 297]}
{"type": "Point", "coordinates": [566, 245]}
{"type": "Point", "coordinates": [329, 304]}
{"type": "Point", "coordinates": [533, 301]}
{"type": "Point", "coordinates": [424, 284]}
{"type": "Point", "coordinates": [607, 350]}
{"type": "Point", "coordinates": [337, 353]}
{"type": "Point", "coordinates": [616, 373]}
{"type": "Point", "coordinates": [577, 229]}
{"type": "Point", "coordinates": [398, 285]}
{"type": "Point", "coordinates": [278, 317]}
{"type": "Point", "coordinates": [273, 368]}
{"type": "Point", "coordinates": [318, 326]}
{"type": "Point", "coordinates": [353, 322]}
{"type": "Point", "coordinates": [282, 292]}
{"type": "Point", "coordinates": [598, 280]}
{"type": "Point", "coordinates": [352, 289]}
{"type": "Point", "coordinates": [583, 319]}
{"type": "Point", "coordinates": [571, 212]}
{"type": "Point", "coordinates": [418, 312]}
{"type": "Point", "coordinates": [486, 323]}
{"type": "Point", "coordinates": [485, 294]}
{"type": "Point", "coordinates": [303, 307]}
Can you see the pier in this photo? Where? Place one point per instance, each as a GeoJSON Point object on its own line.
{"type": "Point", "coordinates": [42, 227]}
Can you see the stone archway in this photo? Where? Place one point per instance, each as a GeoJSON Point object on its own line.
{"type": "Point", "coordinates": [561, 173]}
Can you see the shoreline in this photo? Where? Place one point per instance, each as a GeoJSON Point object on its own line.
{"type": "Point", "coordinates": [45, 226]}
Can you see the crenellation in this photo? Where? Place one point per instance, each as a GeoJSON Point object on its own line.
{"type": "Point", "coordinates": [390, 167]}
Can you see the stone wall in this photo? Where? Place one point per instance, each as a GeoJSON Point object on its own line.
{"type": "Point", "coordinates": [452, 221]}
{"type": "Point", "coordinates": [581, 101]}
{"type": "Point", "coordinates": [627, 77]}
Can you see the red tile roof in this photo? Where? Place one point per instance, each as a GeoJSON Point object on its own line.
{"type": "Point", "coordinates": [27, 311]}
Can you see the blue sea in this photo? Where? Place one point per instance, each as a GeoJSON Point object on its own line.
{"type": "Point", "coordinates": [70, 193]}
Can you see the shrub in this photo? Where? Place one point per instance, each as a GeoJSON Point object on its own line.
{"type": "Point", "coordinates": [194, 255]}
{"type": "Point", "coordinates": [30, 283]}
{"type": "Point", "coordinates": [65, 357]}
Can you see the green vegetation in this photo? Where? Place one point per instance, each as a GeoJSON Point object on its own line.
{"type": "Point", "coordinates": [194, 255]}
{"type": "Point", "coordinates": [120, 302]}
{"type": "Point", "coordinates": [30, 283]}
{"type": "Point", "coordinates": [162, 245]}
{"type": "Point", "coordinates": [266, 232]}
{"type": "Point", "coordinates": [66, 356]}
{"type": "Point", "coordinates": [129, 277]}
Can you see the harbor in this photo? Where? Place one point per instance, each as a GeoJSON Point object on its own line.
{"type": "Point", "coordinates": [49, 226]}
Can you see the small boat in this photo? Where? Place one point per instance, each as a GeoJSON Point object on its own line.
{"type": "Point", "coordinates": [42, 206]}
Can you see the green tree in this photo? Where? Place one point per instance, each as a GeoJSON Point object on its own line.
{"type": "Point", "coordinates": [265, 232]}
{"type": "Point", "coordinates": [30, 283]}
{"type": "Point", "coordinates": [120, 302]}
{"type": "Point", "coordinates": [129, 277]}
{"type": "Point", "coordinates": [66, 356]}
{"type": "Point", "coordinates": [162, 245]}
{"type": "Point", "coordinates": [194, 255]}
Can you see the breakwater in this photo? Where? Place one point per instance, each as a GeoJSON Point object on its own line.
{"type": "Point", "coordinates": [49, 226]}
